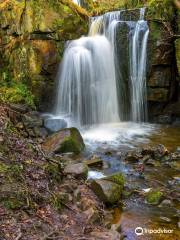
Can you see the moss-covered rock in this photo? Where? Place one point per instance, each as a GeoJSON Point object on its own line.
{"type": "Point", "coordinates": [117, 178]}
{"type": "Point", "coordinates": [109, 189]}
{"type": "Point", "coordinates": [154, 197]}
{"type": "Point", "coordinates": [66, 140]}
{"type": "Point", "coordinates": [108, 192]}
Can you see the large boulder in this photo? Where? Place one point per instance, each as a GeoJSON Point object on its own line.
{"type": "Point", "coordinates": [109, 189]}
{"type": "Point", "coordinates": [66, 140]}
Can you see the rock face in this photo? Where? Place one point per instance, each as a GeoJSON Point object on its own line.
{"type": "Point", "coordinates": [32, 37]}
{"type": "Point", "coordinates": [66, 140]}
{"type": "Point", "coordinates": [163, 61]}
{"type": "Point", "coordinates": [109, 189]}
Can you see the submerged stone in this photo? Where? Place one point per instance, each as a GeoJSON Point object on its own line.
{"type": "Point", "coordinates": [64, 141]}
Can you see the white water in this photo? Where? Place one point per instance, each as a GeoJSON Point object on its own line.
{"type": "Point", "coordinates": [78, 2]}
{"type": "Point", "coordinates": [92, 91]}
{"type": "Point", "coordinates": [117, 135]}
{"type": "Point", "coordinates": [138, 49]}
{"type": "Point", "coordinates": [87, 92]}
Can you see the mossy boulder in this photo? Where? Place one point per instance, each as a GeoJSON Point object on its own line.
{"type": "Point", "coordinates": [66, 140]}
{"type": "Point", "coordinates": [154, 197]}
{"type": "Point", "coordinates": [109, 189]}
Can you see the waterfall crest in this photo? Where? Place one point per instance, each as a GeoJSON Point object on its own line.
{"type": "Point", "coordinates": [94, 87]}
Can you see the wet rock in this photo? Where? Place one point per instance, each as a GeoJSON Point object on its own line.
{"type": "Point", "coordinates": [133, 157]}
{"type": "Point", "coordinates": [78, 170]}
{"type": "Point", "coordinates": [164, 119]}
{"type": "Point", "coordinates": [117, 178]}
{"type": "Point", "coordinates": [160, 151]}
{"type": "Point", "coordinates": [152, 162]}
{"type": "Point", "coordinates": [109, 189]}
{"type": "Point", "coordinates": [54, 125]}
{"type": "Point", "coordinates": [108, 192]}
{"type": "Point", "coordinates": [146, 158]}
{"type": "Point", "coordinates": [154, 197]}
{"type": "Point", "coordinates": [175, 156]}
{"type": "Point", "coordinates": [147, 150]}
{"type": "Point", "coordinates": [94, 162]}
{"type": "Point", "coordinates": [64, 141]}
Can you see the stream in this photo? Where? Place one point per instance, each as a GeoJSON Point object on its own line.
{"type": "Point", "coordinates": [110, 142]}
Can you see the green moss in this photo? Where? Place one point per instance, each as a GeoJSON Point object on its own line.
{"type": "Point", "coordinates": [16, 93]}
{"type": "Point", "coordinates": [117, 178]}
{"type": "Point", "coordinates": [73, 143]}
{"type": "Point", "coordinates": [161, 9]}
{"type": "Point", "coordinates": [3, 168]}
{"type": "Point", "coordinates": [154, 197]}
{"type": "Point", "coordinates": [13, 203]}
{"type": "Point", "coordinates": [53, 171]}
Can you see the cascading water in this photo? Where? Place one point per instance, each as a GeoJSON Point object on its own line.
{"type": "Point", "coordinates": [93, 88]}
{"type": "Point", "coordinates": [87, 89]}
{"type": "Point", "coordinates": [138, 46]}
{"type": "Point", "coordinates": [78, 2]}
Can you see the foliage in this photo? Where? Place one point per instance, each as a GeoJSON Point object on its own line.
{"type": "Point", "coordinates": [161, 9]}
{"type": "Point", "coordinates": [16, 93]}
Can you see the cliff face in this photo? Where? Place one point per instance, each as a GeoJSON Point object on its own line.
{"type": "Point", "coordinates": [163, 63]}
{"type": "Point", "coordinates": [32, 37]}
{"type": "Point", "coordinates": [33, 33]}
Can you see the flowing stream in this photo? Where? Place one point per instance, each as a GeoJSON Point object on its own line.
{"type": "Point", "coordinates": [102, 91]}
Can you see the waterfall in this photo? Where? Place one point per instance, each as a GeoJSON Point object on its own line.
{"type": "Point", "coordinates": [138, 46]}
{"type": "Point", "coordinates": [87, 89]}
{"type": "Point", "coordinates": [94, 87]}
{"type": "Point", "coordinates": [78, 2]}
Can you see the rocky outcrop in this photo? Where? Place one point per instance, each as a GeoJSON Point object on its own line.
{"type": "Point", "coordinates": [32, 37]}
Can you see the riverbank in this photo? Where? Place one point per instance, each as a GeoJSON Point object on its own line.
{"type": "Point", "coordinates": [41, 198]}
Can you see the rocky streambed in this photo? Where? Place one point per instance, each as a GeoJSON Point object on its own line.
{"type": "Point", "coordinates": [57, 186]}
